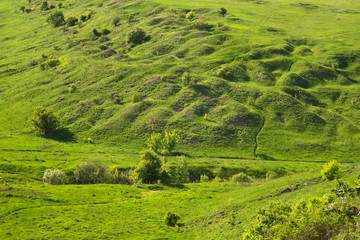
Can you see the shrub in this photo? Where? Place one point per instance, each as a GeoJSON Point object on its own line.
{"type": "Point", "coordinates": [148, 170]}
{"type": "Point", "coordinates": [83, 18]}
{"type": "Point", "coordinates": [52, 62]}
{"type": "Point", "coordinates": [56, 19]}
{"type": "Point", "coordinates": [22, 9]}
{"type": "Point", "coordinates": [218, 179]}
{"type": "Point", "coordinates": [60, 5]}
{"type": "Point", "coordinates": [170, 141]}
{"type": "Point", "coordinates": [204, 178]}
{"type": "Point", "coordinates": [71, 21]}
{"type": "Point", "coordinates": [44, 6]}
{"type": "Point", "coordinates": [190, 15]}
{"type": "Point", "coordinates": [137, 36]}
{"type": "Point", "coordinates": [222, 11]}
{"type": "Point", "coordinates": [171, 218]}
{"type": "Point", "coordinates": [54, 177]}
{"type": "Point", "coordinates": [92, 172]}
{"type": "Point", "coordinates": [121, 177]}
{"type": "Point", "coordinates": [187, 79]}
{"type": "Point", "coordinates": [241, 177]}
{"type": "Point", "coordinates": [154, 142]}
{"type": "Point", "coordinates": [44, 121]}
{"type": "Point", "coordinates": [115, 21]}
{"type": "Point", "coordinates": [330, 170]}
{"type": "Point", "coordinates": [202, 26]}
{"type": "Point", "coordinates": [105, 31]}
{"type": "Point", "coordinates": [72, 88]}
{"type": "Point", "coordinates": [137, 97]}
{"type": "Point", "coordinates": [103, 38]}
{"type": "Point", "coordinates": [96, 32]}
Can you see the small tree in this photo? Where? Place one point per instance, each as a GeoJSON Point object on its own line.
{"type": "Point", "coordinates": [44, 6]}
{"type": "Point", "coordinates": [171, 218]}
{"type": "Point", "coordinates": [44, 121]}
{"type": "Point", "coordinates": [182, 171]}
{"type": "Point", "coordinates": [56, 19]}
{"type": "Point", "coordinates": [137, 36]}
{"type": "Point", "coordinates": [170, 141]}
{"type": "Point", "coordinates": [54, 177]}
{"type": "Point", "coordinates": [190, 15]}
{"type": "Point", "coordinates": [154, 142]}
{"type": "Point", "coordinates": [330, 170]}
{"type": "Point", "coordinates": [149, 168]}
{"type": "Point", "coordinates": [222, 12]}
{"type": "Point", "coordinates": [71, 21]}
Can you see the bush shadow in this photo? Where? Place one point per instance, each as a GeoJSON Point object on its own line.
{"type": "Point", "coordinates": [62, 135]}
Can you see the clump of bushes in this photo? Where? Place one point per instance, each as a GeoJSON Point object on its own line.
{"type": "Point", "coordinates": [137, 36]}
{"type": "Point", "coordinates": [71, 21]}
{"type": "Point", "coordinates": [171, 218]}
{"type": "Point", "coordinates": [72, 88]}
{"type": "Point", "coordinates": [44, 121]}
{"type": "Point", "coordinates": [330, 170]}
{"type": "Point", "coordinates": [52, 62]}
{"type": "Point", "coordinates": [54, 177]}
{"type": "Point", "coordinates": [241, 177]}
{"type": "Point", "coordinates": [92, 172]}
{"type": "Point", "coordinates": [56, 19]}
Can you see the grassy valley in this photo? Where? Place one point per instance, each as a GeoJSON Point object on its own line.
{"type": "Point", "coordinates": [269, 89]}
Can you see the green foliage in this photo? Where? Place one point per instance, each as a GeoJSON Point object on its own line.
{"type": "Point", "coordinates": [171, 218]}
{"type": "Point", "coordinates": [202, 26]}
{"type": "Point", "coordinates": [54, 177]}
{"type": "Point", "coordinates": [241, 177]}
{"type": "Point", "coordinates": [171, 139]}
{"type": "Point", "coordinates": [22, 9]}
{"type": "Point", "coordinates": [56, 19]}
{"type": "Point", "coordinates": [137, 97]}
{"type": "Point", "coordinates": [105, 31]}
{"type": "Point", "coordinates": [137, 36]}
{"type": "Point", "coordinates": [115, 21]}
{"type": "Point", "coordinates": [330, 170]}
{"type": "Point", "coordinates": [190, 15]}
{"type": "Point", "coordinates": [316, 218]}
{"type": "Point", "coordinates": [121, 176]}
{"type": "Point", "coordinates": [222, 11]}
{"type": "Point", "coordinates": [72, 88]}
{"type": "Point", "coordinates": [83, 18]}
{"type": "Point", "coordinates": [60, 5]}
{"type": "Point", "coordinates": [204, 178]}
{"type": "Point", "coordinates": [181, 173]}
{"type": "Point", "coordinates": [218, 179]}
{"type": "Point", "coordinates": [149, 168]}
{"type": "Point", "coordinates": [154, 142]}
{"type": "Point", "coordinates": [44, 6]}
{"type": "Point", "coordinates": [92, 172]}
{"type": "Point", "coordinates": [44, 121]}
{"type": "Point", "coordinates": [50, 63]}
{"type": "Point", "coordinates": [96, 32]}
{"type": "Point", "coordinates": [344, 189]}
{"type": "Point", "coordinates": [71, 21]}
{"type": "Point", "coordinates": [187, 79]}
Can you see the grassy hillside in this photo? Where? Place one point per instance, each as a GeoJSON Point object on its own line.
{"type": "Point", "coordinates": [275, 79]}
{"type": "Point", "coordinates": [270, 90]}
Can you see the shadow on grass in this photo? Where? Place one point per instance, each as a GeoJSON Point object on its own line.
{"type": "Point", "coordinates": [180, 154]}
{"type": "Point", "coordinates": [62, 135]}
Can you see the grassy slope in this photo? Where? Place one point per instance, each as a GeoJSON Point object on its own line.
{"type": "Point", "coordinates": [258, 112]}
{"type": "Point", "coordinates": [292, 129]}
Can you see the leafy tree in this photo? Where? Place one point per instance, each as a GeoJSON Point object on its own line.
{"type": "Point", "coordinates": [56, 19]}
{"type": "Point", "coordinates": [222, 12]}
{"type": "Point", "coordinates": [190, 15]}
{"type": "Point", "coordinates": [92, 172]}
{"type": "Point", "coordinates": [71, 21]}
{"type": "Point", "coordinates": [137, 36]}
{"type": "Point", "coordinates": [44, 121]}
{"type": "Point", "coordinates": [170, 141]}
{"type": "Point", "coordinates": [155, 142]}
{"type": "Point", "coordinates": [182, 171]}
{"type": "Point", "coordinates": [149, 168]}
{"type": "Point", "coordinates": [330, 170]}
{"type": "Point", "coordinates": [171, 218]}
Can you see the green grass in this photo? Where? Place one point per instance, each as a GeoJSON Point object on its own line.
{"type": "Point", "coordinates": [287, 102]}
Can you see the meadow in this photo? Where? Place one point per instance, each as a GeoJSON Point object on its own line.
{"type": "Point", "coordinates": [270, 87]}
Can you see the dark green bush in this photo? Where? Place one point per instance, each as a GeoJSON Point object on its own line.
{"type": "Point", "coordinates": [92, 172]}
{"type": "Point", "coordinates": [137, 36]}
{"type": "Point", "coordinates": [116, 21]}
{"type": "Point", "coordinates": [83, 18]}
{"type": "Point", "coordinates": [56, 19]}
{"type": "Point", "coordinates": [105, 31]}
{"type": "Point", "coordinates": [60, 5]}
{"type": "Point", "coordinates": [222, 11]}
{"type": "Point", "coordinates": [44, 6]}
{"type": "Point", "coordinates": [22, 9]}
{"type": "Point", "coordinates": [71, 21]}
{"type": "Point", "coordinates": [96, 32]}
{"type": "Point", "coordinates": [44, 121]}
{"type": "Point", "coordinates": [202, 26]}
{"type": "Point", "coordinates": [171, 218]}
